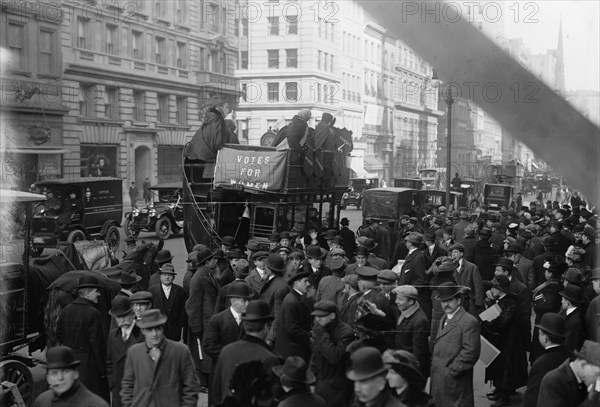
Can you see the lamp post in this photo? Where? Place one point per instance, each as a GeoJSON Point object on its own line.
{"type": "Point", "coordinates": [449, 102]}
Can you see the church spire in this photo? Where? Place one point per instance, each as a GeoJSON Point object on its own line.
{"type": "Point", "coordinates": [560, 62]}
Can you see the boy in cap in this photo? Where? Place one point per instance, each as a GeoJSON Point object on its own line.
{"type": "Point", "coordinates": [170, 299]}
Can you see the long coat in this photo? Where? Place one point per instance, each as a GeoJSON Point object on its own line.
{"type": "Point", "coordinates": [348, 309]}
{"type": "Point", "coordinates": [117, 352]}
{"type": "Point", "coordinates": [468, 275]}
{"type": "Point", "coordinates": [293, 332]}
{"type": "Point", "coordinates": [549, 360]}
{"type": "Point", "coordinates": [575, 329]}
{"type": "Point", "coordinates": [80, 327]}
{"type": "Point", "coordinates": [484, 257]}
{"type": "Point", "coordinates": [412, 333]}
{"type": "Point", "coordinates": [209, 139]}
{"type": "Point", "coordinates": [247, 349]}
{"type": "Point", "coordinates": [349, 241]}
{"type": "Point", "coordinates": [455, 352]}
{"type": "Point", "coordinates": [302, 397]}
{"type": "Point", "coordinates": [173, 308]}
{"type": "Point", "coordinates": [413, 273]}
{"type": "Point", "coordinates": [80, 396]}
{"type": "Point", "coordinates": [559, 388]}
{"type": "Point", "coordinates": [329, 360]}
{"type": "Point", "coordinates": [509, 369]}
{"type": "Point", "coordinates": [592, 320]}
{"type": "Point", "coordinates": [171, 381]}
{"type": "Point", "coordinates": [545, 299]}
{"type": "Point", "coordinates": [222, 329]}
{"type": "Point", "coordinates": [523, 309]}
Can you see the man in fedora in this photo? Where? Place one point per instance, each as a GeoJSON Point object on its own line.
{"type": "Point", "coordinates": [274, 288]}
{"type": "Point", "coordinates": [568, 384]}
{"type": "Point", "coordinates": [80, 328]}
{"type": "Point", "coordinates": [370, 244]}
{"type": "Point", "coordinates": [467, 275]}
{"type": "Point", "coordinates": [315, 266]}
{"type": "Point", "coordinates": [572, 309]}
{"type": "Point", "coordinates": [331, 337]}
{"type": "Point", "coordinates": [200, 306]}
{"type": "Point", "coordinates": [368, 373]}
{"type": "Point", "coordinates": [228, 243]}
{"type": "Point", "coordinates": [552, 333]}
{"type": "Point", "coordinates": [158, 371]}
{"type": "Point", "coordinates": [62, 375]}
{"type": "Point", "coordinates": [125, 334]}
{"type": "Point", "coordinates": [413, 270]}
{"type": "Point", "coordinates": [164, 256]}
{"type": "Point", "coordinates": [592, 322]}
{"type": "Point", "coordinates": [170, 299]}
{"type": "Point", "coordinates": [293, 330]}
{"type": "Point", "coordinates": [256, 324]}
{"type": "Point", "coordinates": [295, 380]}
{"type": "Point", "coordinates": [226, 326]}
{"type": "Point", "coordinates": [349, 238]}
{"type": "Point", "coordinates": [455, 351]}
{"type": "Point", "coordinates": [240, 272]}
{"type": "Point", "coordinates": [362, 259]}
{"type": "Point", "coordinates": [128, 282]}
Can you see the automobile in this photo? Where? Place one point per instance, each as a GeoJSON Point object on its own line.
{"type": "Point", "coordinates": [355, 192]}
{"type": "Point", "coordinates": [428, 199]}
{"type": "Point", "coordinates": [163, 216]}
{"type": "Point", "coordinates": [385, 204]}
{"type": "Point", "coordinates": [497, 196]}
{"type": "Point", "coordinates": [81, 208]}
{"type": "Point", "coordinates": [413, 183]}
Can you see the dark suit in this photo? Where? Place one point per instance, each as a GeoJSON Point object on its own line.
{"type": "Point", "coordinates": [468, 275]}
{"type": "Point", "coordinates": [559, 388]}
{"type": "Point", "coordinates": [523, 309]}
{"type": "Point", "coordinates": [173, 308]}
{"type": "Point", "coordinates": [430, 257]}
{"type": "Point", "coordinates": [538, 267]}
{"type": "Point", "coordinates": [254, 281]}
{"type": "Point", "coordinates": [412, 332]}
{"type": "Point", "coordinates": [293, 331]}
{"type": "Point", "coordinates": [349, 241]}
{"type": "Point", "coordinates": [115, 364]}
{"type": "Point", "coordinates": [348, 309]}
{"type": "Point", "coordinates": [549, 360]}
{"type": "Point", "coordinates": [575, 329]}
{"type": "Point", "coordinates": [413, 273]}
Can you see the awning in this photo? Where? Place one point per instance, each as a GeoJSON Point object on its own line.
{"type": "Point", "coordinates": [356, 165]}
{"type": "Point", "coordinates": [374, 163]}
{"type": "Point", "coordinates": [37, 150]}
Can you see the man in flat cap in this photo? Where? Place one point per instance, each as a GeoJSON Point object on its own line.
{"type": "Point", "coordinates": [467, 274]}
{"type": "Point", "coordinates": [348, 299]}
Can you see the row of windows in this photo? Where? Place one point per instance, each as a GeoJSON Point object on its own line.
{"type": "Point", "coordinates": [326, 29]}
{"type": "Point", "coordinates": [325, 61]}
{"type": "Point", "coordinates": [91, 96]}
{"type": "Point", "coordinates": [273, 25]}
{"type": "Point", "coordinates": [290, 92]}
{"type": "Point", "coordinates": [350, 44]}
{"type": "Point", "coordinates": [47, 49]}
{"type": "Point", "coordinates": [291, 58]}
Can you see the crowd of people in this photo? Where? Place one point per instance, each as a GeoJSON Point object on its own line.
{"type": "Point", "coordinates": [328, 318]}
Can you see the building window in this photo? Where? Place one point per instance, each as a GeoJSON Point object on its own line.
{"type": "Point", "coordinates": [320, 59]}
{"type": "Point", "coordinates": [292, 25]}
{"type": "Point", "coordinates": [98, 161]}
{"type": "Point", "coordinates": [181, 13]}
{"type": "Point", "coordinates": [182, 110]}
{"type": "Point", "coordinates": [291, 92]}
{"type": "Point", "coordinates": [112, 41]}
{"type": "Point", "coordinates": [273, 92]}
{"type": "Point", "coordinates": [87, 99]}
{"type": "Point", "coordinates": [160, 50]}
{"type": "Point", "coordinates": [139, 106]}
{"type": "Point", "coordinates": [111, 106]}
{"type": "Point", "coordinates": [273, 25]}
{"type": "Point", "coordinates": [244, 27]}
{"type": "Point", "coordinates": [16, 44]}
{"type": "Point", "coordinates": [326, 61]}
{"type": "Point", "coordinates": [291, 57]}
{"type": "Point", "coordinates": [202, 58]}
{"type": "Point", "coordinates": [47, 57]}
{"type": "Point", "coordinates": [244, 60]}
{"type": "Point", "coordinates": [137, 45]}
{"type": "Point", "coordinates": [167, 155]}
{"type": "Point", "coordinates": [331, 63]}
{"type": "Point", "coordinates": [182, 55]}
{"type": "Point", "coordinates": [162, 113]}
{"type": "Point", "coordinates": [212, 17]}
{"type": "Point", "coordinates": [84, 37]}
{"type": "Point", "coordinates": [273, 55]}
{"type": "Point", "coordinates": [236, 29]}
{"type": "Point", "coordinates": [244, 92]}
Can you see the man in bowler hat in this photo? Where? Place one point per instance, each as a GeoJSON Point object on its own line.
{"type": "Point", "coordinates": [368, 373]}
{"type": "Point", "coordinates": [295, 381]}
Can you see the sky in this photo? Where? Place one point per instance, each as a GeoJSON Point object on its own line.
{"type": "Point", "coordinates": [537, 23]}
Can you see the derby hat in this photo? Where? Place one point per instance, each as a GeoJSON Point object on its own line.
{"type": "Point", "coordinates": [285, 235]}
{"type": "Point", "coordinates": [370, 244]}
{"type": "Point", "coordinates": [299, 274]}
{"type": "Point", "coordinates": [129, 278]}
{"type": "Point", "coordinates": [429, 237]}
{"type": "Point", "coordinates": [407, 291]}
{"type": "Point", "coordinates": [344, 222]}
{"type": "Point", "coordinates": [275, 263]}
{"type": "Point", "coordinates": [590, 351]}
{"type": "Point", "coordinates": [314, 252]}
{"type": "Point", "coordinates": [163, 256]}
{"type": "Point", "coordinates": [554, 324]}
{"type": "Point", "coordinates": [259, 255]}
{"type": "Point", "coordinates": [151, 318]}
{"type": "Point", "coordinates": [239, 290]}
{"type": "Point", "coordinates": [323, 308]}
{"type": "Point", "coordinates": [234, 254]}
{"type": "Point", "coordinates": [506, 264]}
{"type": "Point", "coordinates": [367, 273]}
{"type": "Point", "coordinates": [362, 251]}
{"type": "Point", "coordinates": [573, 276]}
{"type": "Point", "coordinates": [192, 258]}
{"type": "Point", "coordinates": [572, 293]}
{"type": "Point", "coordinates": [415, 238]}
{"type": "Point", "coordinates": [513, 248]}
{"type": "Point", "coordinates": [258, 310]}
{"type": "Point", "coordinates": [120, 305]}
{"type": "Point", "coordinates": [448, 290]}
{"type": "Point", "coordinates": [366, 362]}
{"type": "Point", "coordinates": [502, 283]}
{"type": "Point", "coordinates": [295, 370]}
{"type": "Point", "coordinates": [61, 357]}
{"type": "Point", "coordinates": [337, 239]}
{"type": "Point", "coordinates": [167, 269]}
{"type": "Point", "coordinates": [485, 232]}
{"type": "Point", "coordinates": [140, 296]}
{"type": "Point", "coordinates": [386, 277]}
{"type": "Point", "coordinates": [403, 358]}
{"type": "Point", "coordinates": [219, 254]}
{"type": "Point", "coordinates": [275, 237]}
{"type": "Point", "coordinates": [329, 234]}
{"type": "Point", "coordinates": [88, 281]}
{"type": "Point", "coordinates": [228, 241]}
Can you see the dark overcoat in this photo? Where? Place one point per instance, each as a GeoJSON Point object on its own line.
{"type": "Point", "coordinates": [523, 309]}
{"type": "Point", "coordinates": [209, 139]}
{"type": "Point", "coordinates": [222, 329]}
{"type": "Point", "coordinates": [592, 320]}
{"type": "Point", "coordinates": [575, 329]}
{"type": "Point", "coordinates": [78, 395]}
{"type": "Point", "coordinates": [413, 273]}
{"type": "Point", "coordinates": [560, 388]}
{"type": "Point", "coordinates": [549, 360]}
{"type": "Point", "coordinates": [80, 327]}
{"type": "Point", "coordinates": [412, 335]}
{"type": "Point", "coordinates": [173, 307]}
{"type": "Point", "coordinates": [294, 329]}
{"type": "Point", "coordinates": [348, 309]}
{"type": "Point", "coordinates": [301, 398]}
{"type": "Point", "coordinates": [484, 257]}
{"type": "Point", "coordinates": [115, 362]}
{"type": "Point", "coordinates": [545, 299]}
{"type": "Point", "coordinates": [468, 275]}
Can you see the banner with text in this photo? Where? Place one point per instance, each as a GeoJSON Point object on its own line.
{"type": "Point", "coordinates": [260, 170]}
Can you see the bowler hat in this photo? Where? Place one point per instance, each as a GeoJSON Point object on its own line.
{"type": "Point", "coordinates": [163, 256]}
{"type": "Point", "coordinates": [258, 310]}
{"type": "Point", "coordinates": [456, 246]}
{"type": "Point", "coordinates": [362, 251]}
{"type": "Point", "coordinates": [259, 255]}
{"type": "Point", "coordinates": [414, 237]}
{"type": "Point", "coordinates": [239, 290]}
{"type": "Point", "coordinates": [120, 305]}
{"type": "Point", "coordinates": [167, 269]}
{"type": "Point", "coordinates": [367, 273]}
{"type": "Point", "coordinates": [285, 235]}
{"type": "Point", "coordinates": [403, 358]}
{"type": "Point", "coordinates": [61, 357]}
{"type": "Point", "coordinates": [192, 258]}
{"type": "Point", "coordinates": [140, 296]}
{"type": "Point", "coordinates": [572, 293]}
{"type": "Point", "coordinates": [300, 273]}
{"type": "Point", "coordinates": [295, 370]}
{"type": "Point", "coordinates": [448, 290]}
{"type": "Point", "coordinates": [554, 324]}
{"type": "Point", "coordinates": [485, 233]}
{"type": "Point", "coordinates": [344, 222]}
{"type": "Point", "coordinates": [129, 279]}
{"type": "Point", "coordinates": [242, 270]}
{"type": "Point", "coordinates": [275, 237]}
{"type": "Point", "coordinates": [228, 241]}
{"type": "Point", "coordinates": [387, 277]}
{"type": "Point", "coordinates": [323, 308]}
{"type": "Point", "coordinates": [151, 318]}
{"type": "Point", "coordinates": [314, 252]}
{"type": "Point", "coordinates": [513, 248]}
{"type": "Point", "coordinates": [370, 244]}
{"type": "Point", "coordinates": [366, 362]}
{"type": "Point", "coordinates": [234, 254]}
{"type": "Point", "coordinates": [275, 263]}
{"type": "Point", "coordinates": [429, 237]}
{"type": "Point", "coordinates": [407, 291]}
{"type": "Point", "coordinates": [337, 239]}
{"type": "Point", "coordinates": [330, 234]}
{"type": "Point", "coordinates": [573, 276]}
{"type": "Point", "coordinates": [501, 282]}
{"type": "Point", "coordinates": [88, 281]}
{"type": "Point", "coordinates": [590, 351]}
{"type": "Point", "coordinates": [506, 264]}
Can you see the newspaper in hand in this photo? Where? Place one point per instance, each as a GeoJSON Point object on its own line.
{"type": "Point", "coordinates": [491, 313]}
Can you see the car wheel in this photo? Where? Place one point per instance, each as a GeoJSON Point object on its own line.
{"type": "Point", "coordinates": [163, 228]}
{"type": "Point", "coordinates": [130, 230]}
{"type": "Point", "coordinates": [75, 236]}
{"type": "Point", "coordinates": [113, 238]}
{"type": "Point", "coordinates": [18, 373]}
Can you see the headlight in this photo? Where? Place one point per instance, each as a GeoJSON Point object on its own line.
{"type": "Point", "coordinates": [136, 212]}
{"type": "Point", "coordinates": [152, 212]}
{"type": "Point", "coordinates": [345, 196]}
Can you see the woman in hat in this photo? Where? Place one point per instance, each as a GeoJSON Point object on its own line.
{"type": "Point", "coordinates": [405, 377]}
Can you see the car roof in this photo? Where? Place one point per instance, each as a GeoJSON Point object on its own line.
{"type": "Point", "coordinates": [167, 185]}
{"type": "Point", "coordinates": [501, 185]}
{"type": "Point", "coordinates": [76, 180]}
{"type": "Point", "coordinates": [394, 190]}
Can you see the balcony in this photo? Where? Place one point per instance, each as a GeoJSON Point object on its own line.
{"type": "Point", "coordinates": [217, 80]}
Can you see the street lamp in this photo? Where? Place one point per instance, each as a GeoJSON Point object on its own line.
{"type": "Point", "coordinates": [449, 102]}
